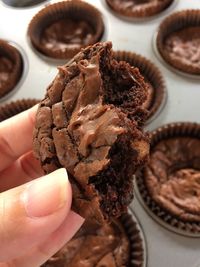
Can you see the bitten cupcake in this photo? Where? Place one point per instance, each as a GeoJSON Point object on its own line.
{"type": "Point", "coordinates": [111, 245]}
{"type": "Point", "coordinates": [15, 107]}
{"type": "Point", "coordinates": [60, 30]}
{"type": "Point", "coordinates": [90, 123]}
{"type": "Point", "coordinates": [170, 183]}
{"type": "Point", "coordinates": [178, 41]}
{"type": "Point", "coordinates": [153, 77]}
{"type": "Point", "coordinates": [11, 66]}
{"type": "Point", "coordinates": [138, 8]}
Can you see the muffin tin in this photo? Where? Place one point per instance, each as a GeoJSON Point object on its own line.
{"type": "Point", "coordinates": [164, 247]}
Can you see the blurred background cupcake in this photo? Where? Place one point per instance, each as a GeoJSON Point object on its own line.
{"type": "Point", "coordinates": [178, 41]}
{"type": "Point", "coordinates": [60, 30]}
{"type": "Point", "coordinates": [170, 183]}
{"type": "Point", "coordinates": [11, 67]}
{"type": "Point", "coordinates": [111, 245]}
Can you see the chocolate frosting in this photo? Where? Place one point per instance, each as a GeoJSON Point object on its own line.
{"type": "Point", "coordinates": [65, 33]}
{"type": "Point", "coordinates": [106, 246]}
{"type": "Point", "coordinates": [183, 45]}
{"type": "Point", "coordinates": [173, 176]}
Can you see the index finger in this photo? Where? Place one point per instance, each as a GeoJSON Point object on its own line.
{"type": "Point", "coordinates": [16, 136]}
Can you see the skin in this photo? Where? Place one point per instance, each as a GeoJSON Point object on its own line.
{"type": "Point", "coordinates": [35, 210]}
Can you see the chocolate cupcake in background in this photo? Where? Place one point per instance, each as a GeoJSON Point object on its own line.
{"type": "Point", "coordinates": [15, 107]}
{"type": "Point", "coordinates": [178, 41]}
{"type": "Point", "coordinates": [60, 30]}
{"type": "Point", "coordinates": [23, 3]}
{"type": "Point", "coordinates": [153, 78]}
{"type": "Point", "coordinates": [138, 8]}
{"type": "Point", "coordinates": [111, 245]}
{"type": "Point", "coordinates": [170, 183]}
{"type": "Point", "coordinates": [11, 67]}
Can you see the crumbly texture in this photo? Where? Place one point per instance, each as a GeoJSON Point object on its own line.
{"type": "Point", "coordinates": [88, 123]}
{"type": "Point", "coordinates": [93, 246]}
{"type": "Point", "coordinates": [183, 46]}
{"type": "Point", "coordinates": [138, 8]}
{"type": "Point", "coordinates": [172, 177]}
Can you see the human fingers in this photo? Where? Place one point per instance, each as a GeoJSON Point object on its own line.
{"type": "Point", "coordinates": [42, 252]}
{"type": "Point", "coordinates": [16, 136]}
{"type": "Point", "coordinates": [23, 170]}
{"type": "Point", "coordinates": [32, 212]}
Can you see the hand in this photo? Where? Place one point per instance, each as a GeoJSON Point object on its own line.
{"type": "Point", "coordinates": [35, 216]}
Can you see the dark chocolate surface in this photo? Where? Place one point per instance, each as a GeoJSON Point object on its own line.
{"type": "Point", "coordinates": [183, 46]}
{"type": "Point", "coordinates": [11, 67]}
{"type": "Point", "coordinates": [107, 246]}
{"type": "Point", "coordinates": [173, 176]}
{"type": "Point", "coordinates": [88, 122]}
{"type": "Point", "coordinates": [66, 32]}
{"type": "Point", "coordinates": [6, 66]}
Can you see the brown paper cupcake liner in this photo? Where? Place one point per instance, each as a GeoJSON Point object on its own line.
{"type": "Point", "coordinates": [14, 55]}
{"type": "Point", "coordinates": [143, 12]}
{"type": "Point", "coordinates": [172, 222]}
{"type": "Point", "coordinates": [151, 74]}
{"type": "Point", "coordinates": [133, 231]}
{"type": "Point", "coordinates": [173, 23]}
{"type": "Point", "coordinates": [15, 107]}
{"type": "Point", "coordinates": [66, 9]}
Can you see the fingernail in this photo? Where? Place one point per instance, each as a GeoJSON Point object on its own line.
{"type": "Point", "coordinates": [46, 195]}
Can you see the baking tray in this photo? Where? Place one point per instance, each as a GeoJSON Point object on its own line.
{"type": "Point", "coordinates": [165, 248]}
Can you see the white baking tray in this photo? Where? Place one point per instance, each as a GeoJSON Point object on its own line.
{"type": "Point", "coordinates": [165, 248]}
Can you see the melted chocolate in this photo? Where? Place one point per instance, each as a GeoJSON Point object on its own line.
{"type": "Point", "coordinates": [184, 46]}
{"type": "Point", "coordinates": [173, 176]}
{"type": "Point", "coordinates": [66, 32]}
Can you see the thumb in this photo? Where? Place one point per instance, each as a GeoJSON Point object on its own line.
{"type": "Point", "coordinates": [32, 212]}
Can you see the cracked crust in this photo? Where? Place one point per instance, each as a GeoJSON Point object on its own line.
{"type": "Point", "coordinates": [89, 123]}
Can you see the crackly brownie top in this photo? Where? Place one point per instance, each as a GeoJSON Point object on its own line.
{"type": "Point", "coordinates": [173, 176]}
{"type": "Point", "coordinates": [76, 116]}
{"type": "Point", "coordinates": [66, 32]}
{"type": "Point", "coordinates": [136, 4]}
{"type": "Point", "coordinates": [90, 123]}
{"type": "Point", "coordinates": [183, 45]}
{"type": "Point", "coordinates": [107, 246]}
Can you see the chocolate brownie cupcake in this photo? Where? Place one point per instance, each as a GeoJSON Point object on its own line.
{"type": "Point", "coordinates": [156, 86]}
{"type": "Point", "coordinates": [60, 30]}
{"type": "Point", "coordinates": [23, 3]}
{"type": "Point", "coordinates": [89, 122]}
{"type": "Point", "coordinates": [111, 245]}
{"type": "Point", "coordinates": [15, 107]}
{"type": "Point", "coordinates": [169, 184]}
{"type": "Point", "coordinates": [138, 8]}
{"type": "Point", "coordinates": [178, 41]}
{"type": "Point", "coordinates": [11, 66]}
